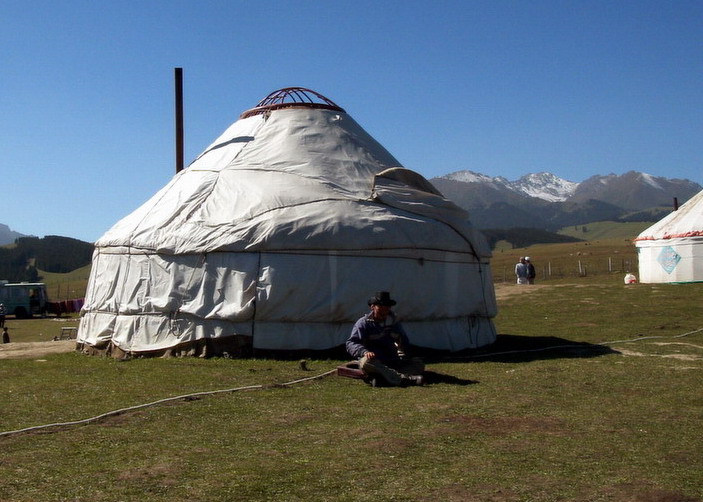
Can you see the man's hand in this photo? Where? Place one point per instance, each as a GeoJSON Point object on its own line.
{"type": "Point", "coordinates": [369, 355]}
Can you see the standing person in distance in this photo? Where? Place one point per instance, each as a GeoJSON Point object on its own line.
{"type": "Point", "coordinates": [521, 271]}
{"type": "Point", "coordinates": [530, 271]}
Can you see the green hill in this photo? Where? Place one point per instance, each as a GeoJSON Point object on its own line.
{"type": "Point", "coordinates": [66, 286]}
{"type": "Point", "coordinates": [523, 237]}
{"type": "Point", "coordinates": [569, 260]}
{"type": "Point", "coordinates": [22, 260]}
{"type": "Point", "coordinates": [605, 230]}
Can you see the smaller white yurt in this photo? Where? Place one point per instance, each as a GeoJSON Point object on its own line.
{"type": "Point", "coordinates": [671, 250]}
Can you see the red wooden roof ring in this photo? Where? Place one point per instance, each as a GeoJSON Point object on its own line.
{"type": "Point", "coordinates": [292, 97]}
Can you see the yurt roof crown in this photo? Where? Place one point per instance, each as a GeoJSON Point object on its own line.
{"type": "Point", "coordinates": [292, 97]}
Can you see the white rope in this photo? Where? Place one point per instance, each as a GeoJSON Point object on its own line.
{"type": "Point", "coordinates": [161, 401]}
{"type": "Point", "coordinates": [651, 337]}
{"type": "Point", "coordinates": [293, 382]}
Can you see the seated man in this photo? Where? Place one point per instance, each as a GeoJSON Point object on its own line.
{"type": "Point", "coordinates": [381, 345]}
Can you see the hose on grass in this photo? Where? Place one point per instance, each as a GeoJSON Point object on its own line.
{"type": "Point", "coordinates": [184, 397]}
{"type": "Point", "coordinates": [195, 395]}
{"type": "Point", "coordinates": [651, 337]}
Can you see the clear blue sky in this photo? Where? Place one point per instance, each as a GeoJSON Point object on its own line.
{"type": "Point", "coordinates": [505, 88]}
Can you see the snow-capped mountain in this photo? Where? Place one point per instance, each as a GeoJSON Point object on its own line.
{"type": "Point", "coordinates": [545, 186]}
{"type": "Point", "coordinates": [635, 190]}
{"type": "Point", "coordinates": [470, 177]}
{"type": "Point", "coordinates": [544, 200]}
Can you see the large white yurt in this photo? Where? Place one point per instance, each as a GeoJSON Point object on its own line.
{"type": "Point", "coordinates": [671, 250]}
{"type": "Point", "coordinates": [276, 236]}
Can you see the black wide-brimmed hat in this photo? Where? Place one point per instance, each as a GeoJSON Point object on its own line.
{"type": "Point", "coordinates": [382, 298]}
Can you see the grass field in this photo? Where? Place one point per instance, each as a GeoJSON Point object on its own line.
{"type": "Point", "coordinates": [574, 260]}
{"type": "Point", "coordinates": [39, 329]}
{"type": "Point", "coordinates": [608, 250]}
{"type": "Point", "coordinates": [66, 286]}
{"type": "Point", "coordinates": [584, 421]}
{"type": "Point", "coordinates": [606, 230]}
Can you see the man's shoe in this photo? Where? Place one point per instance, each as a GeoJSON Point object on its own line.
{"type": "Point", "coordinates": [416, 380]}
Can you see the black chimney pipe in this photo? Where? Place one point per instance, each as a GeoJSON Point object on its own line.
{"type": "Point", "coordinates": [179, 119]}
{"type": "Point", "coordinates": [676, 204]}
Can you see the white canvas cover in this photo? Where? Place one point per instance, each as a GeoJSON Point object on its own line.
{"type": "Point", "coordinates": [276, 236]}
{"type": "Point", "coordinates": [671, 250]}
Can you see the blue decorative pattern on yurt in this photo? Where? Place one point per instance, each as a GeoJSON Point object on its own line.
{"type": "Point", "coordinates": [668, 259]}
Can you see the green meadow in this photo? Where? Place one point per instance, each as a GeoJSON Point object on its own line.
{"type": "Point", "coordinates": [612, 255]}
{"type": "Point", "coordinates": [66, 286]}
{"type": "Point", "coordinates": [591, 393]}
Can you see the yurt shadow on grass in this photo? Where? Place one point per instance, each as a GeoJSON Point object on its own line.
{"type": "Point", "coordinates": [273, 239]}
{"type": "Point", "coordinates": [522, 348]}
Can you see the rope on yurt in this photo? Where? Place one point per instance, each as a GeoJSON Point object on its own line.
{"type": "Point", "coordinates": [186, 397]}
{"type": "Point", "coordinates": [238, 139]}
{"type": "Point", "coordinates": [256, 298]}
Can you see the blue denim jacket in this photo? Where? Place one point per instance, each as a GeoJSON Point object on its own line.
{"type": "Point", "coordinates": [381, 338]}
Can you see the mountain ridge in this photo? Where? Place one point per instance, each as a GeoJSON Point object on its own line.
{"type": "Point", "coordinates": [544, 200]}
{"type": "Point", "coordinates": [7, 235]}
{"type": "Point", "coordinates": [542, 185]}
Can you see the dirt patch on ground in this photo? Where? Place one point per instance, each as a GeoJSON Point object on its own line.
{"type": "Point", "coordinates": [459, 493]}
{"type": "Point", "coordinates": [681, 357]}
{"type": "Point", "coordinates": [640, 491]}
{"type": "Point", "coordinates": [501, 426]}
{"type": "Point", "coordinates": [35, 349]}
{"type": "Point", "coordinates": [507, 290]}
